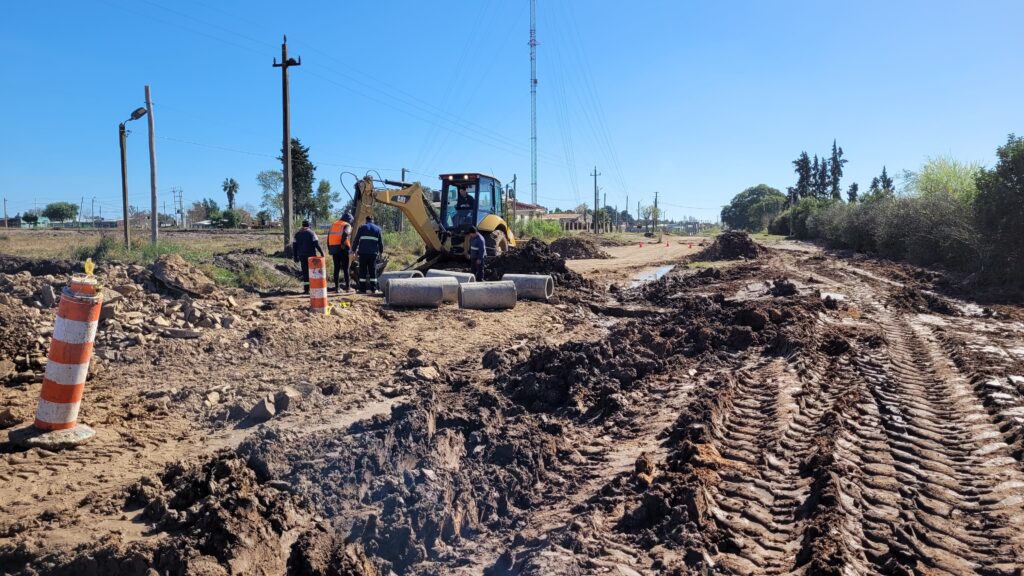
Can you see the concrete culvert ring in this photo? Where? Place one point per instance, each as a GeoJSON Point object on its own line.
{"type": "Point", "coordinates": [533, 286]}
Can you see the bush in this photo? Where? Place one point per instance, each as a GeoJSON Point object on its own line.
{"type": "Point", "coordinates": [546, 230]}
{"type": "Point", "coordinates": [999, 212]}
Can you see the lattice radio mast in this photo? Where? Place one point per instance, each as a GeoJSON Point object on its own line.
{"type": "Point", "coordinates": [533, 101]}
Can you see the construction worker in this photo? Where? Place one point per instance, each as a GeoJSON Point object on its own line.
{"type": "Point", "coordinates": [369, 243]}
{"type": "Point", "coordinates": [339, 246]}
{"type": "Point", "coordinates": [477, 253]}
{"type": "Point", "coordinates": [304, 245]}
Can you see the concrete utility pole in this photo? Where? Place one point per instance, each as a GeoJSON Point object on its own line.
{"type": "Point", "coordinates": [638, 213]}
{"type": "Point", "coordinates": [123, 134]}
{"type": "Point", "coordinates": [81, 211]}
{"type": "Point", "coordinates": [595, 174]}
{"type": "Point", "coordinates": [654, 213]}
{"type": "Point", "coordinates": [92, 210]}
{"type": "Point", "coordinates": [285, 64]}
{"type": "Point", "coordinates": [515, 198]}
{"type": "Point", "coordinates": [5, 212]}
{"type": "Point", "coordinates": [153, 218]}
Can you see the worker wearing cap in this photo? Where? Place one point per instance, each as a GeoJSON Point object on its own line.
{"type": "Point", "coordinates": [339, 246]}
{"type": "Point", "coordinates": [305, 245]}
{"type": "Point", "coordinates": [369, 243]}
{"type": "Point", "coordinates": [477, 253]}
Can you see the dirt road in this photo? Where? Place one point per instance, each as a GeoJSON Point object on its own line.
{"type": "Point", "coordinates": [789, 414]}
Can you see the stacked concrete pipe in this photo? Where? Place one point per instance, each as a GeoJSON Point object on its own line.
{"type": "Point", "coordinates": [534, 286]}
{"type": "Point", "coordinates": [499, 295]}
{"type": "Point", "coordinates": [385, 277]}
{"type": "Point", "coordinates": [448, 284]}
{"type": "Point", "coordinates": [412, 292]}
{"type": "Point", "coordinates": [462, 277]}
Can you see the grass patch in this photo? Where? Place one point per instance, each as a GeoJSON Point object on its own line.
{"type": "Point", "coordinates": [220, 276]}
{"type": "Point", "coordinates": [764, 236]}
{"type": "Point", "coordinates": [262, 280]}
{"type": "Point", "coordinates": [709, 232]}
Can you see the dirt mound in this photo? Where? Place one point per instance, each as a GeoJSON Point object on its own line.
{"type": "Point", "coordinates": [37, 266]}
{"type": "Point", "coordinates": [415, 487]}
{"type": "Point", "coordinates": [910, 298]}
{"type": "Point", "coordinates": [536, 257]}
{"type": "Point", "coordinates": [254, 259]}
{"type": "Point", "coordinates": [589, 378]}
{"type": "Point", "coordinates": [682, 282]}
{"type": "Point", "coordinates": [174, 273]}
{"type": "Point", "coordinates": [578, 248]}
{"type": "Point", "coordinates": [218, 517]}
{"type": "Point", "coordinates": [731, 245]}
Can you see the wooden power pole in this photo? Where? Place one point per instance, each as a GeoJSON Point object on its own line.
{"type": "Point", "coordinates": [285, 64]}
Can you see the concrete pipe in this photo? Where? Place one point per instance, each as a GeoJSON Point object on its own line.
{"type": "Point", "coordinates": [412, 292]}
{"type": "Point", "coordinates": [384, 277]}
{"type": "Point", "coordinates": [488, 295]}
{"type": "Point", "coordinates": [533, 286]}
{"type": "Point", "coordinates": [462, 277]}
{"type": "Point", "coordinates": [448, 284]}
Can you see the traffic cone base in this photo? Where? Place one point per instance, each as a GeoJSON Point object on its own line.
{"type": "Point", "coordinates": [32, 437]}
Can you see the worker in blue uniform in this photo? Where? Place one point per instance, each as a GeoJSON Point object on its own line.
{"type": "Point", "coordinates": [369, 244]}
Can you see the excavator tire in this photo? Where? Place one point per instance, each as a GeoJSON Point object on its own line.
{"type": "Point", "coordinates": [497, 243]}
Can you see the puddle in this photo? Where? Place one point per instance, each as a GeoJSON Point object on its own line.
{"type": "Point", "coordinates": [650, 275]}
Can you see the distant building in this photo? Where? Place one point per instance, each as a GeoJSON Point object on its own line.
{"type": "Point", "coordinates": [527, 211]}
{"type": "Point", "coordinates": [43, 222]}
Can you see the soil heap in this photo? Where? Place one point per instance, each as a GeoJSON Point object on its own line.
{"type": "Point", "coordinates": [536, 257]}
{"type": "Point", "coordinates": [731, 245]}
{"type": "Point", "coordinates": [175, 273]}
{"type": "Point", "coordinates": [578, 248]}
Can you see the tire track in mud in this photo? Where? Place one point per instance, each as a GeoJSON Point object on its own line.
{"type": "Point", "coordinates": [955, 495]}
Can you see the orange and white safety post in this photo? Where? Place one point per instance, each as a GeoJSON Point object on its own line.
{"type": "Point", "coordinates": [67, 368]}
{"type": "Point", "coordinates": [318, 284]}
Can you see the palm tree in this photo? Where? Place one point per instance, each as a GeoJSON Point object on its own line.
{"type": "Point", "coordinates": [230, 187]}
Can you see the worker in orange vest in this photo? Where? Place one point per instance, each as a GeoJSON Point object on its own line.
{"type": "Point", "coordinates": [339, 246]}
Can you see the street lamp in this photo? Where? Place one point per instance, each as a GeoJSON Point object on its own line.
{"type": "Point", "coordinates": [123, 136]}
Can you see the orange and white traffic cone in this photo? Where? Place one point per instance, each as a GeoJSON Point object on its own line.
{"type": "Point", "coordinates": [67, 367]}
{"type": "Point", "coordinates": [318, 284]}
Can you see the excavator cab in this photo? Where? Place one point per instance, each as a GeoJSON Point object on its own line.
{"type": "Point", "coordinates": [469, 200]}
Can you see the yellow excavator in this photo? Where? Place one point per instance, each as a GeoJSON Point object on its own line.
{"type": "Point", "coordinates": [466, 200]}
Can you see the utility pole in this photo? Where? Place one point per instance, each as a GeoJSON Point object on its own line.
{"type": "Point", "coordinates": [533, 101]}
{"type": "Point", "coordinates": [152, 169]}
{"type": "Point", "coordinates": [515, 199]}
{"type": "Point", "coordinates": [285, 64]}
{"type": "Point", "coordinates": [92, 210]}
{"type": "Point", "coordinates": [638, 213]}
{"type": "Point", "coordinates": [654, 213]}
{"type": "Point", "coordinates": [5, 212]}
{"type": "Point", "coordinates": [595, 174]}
{"type": "Point", "coordinates": [81, 211]}
{"type": "Point", "coordinates": [124, 186]}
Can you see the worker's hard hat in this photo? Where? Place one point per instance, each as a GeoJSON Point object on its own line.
{"type": "Point", "coordinates": [346, 217]}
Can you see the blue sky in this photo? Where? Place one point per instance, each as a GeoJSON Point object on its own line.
{"type": "Point", "coordinates": [697, 100]}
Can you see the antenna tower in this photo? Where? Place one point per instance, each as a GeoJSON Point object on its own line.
{"type": "Point", "coordinates": [533, 101]}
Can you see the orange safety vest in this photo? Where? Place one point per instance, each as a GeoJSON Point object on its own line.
{"type": "Point", "coordinates": [341, 232]}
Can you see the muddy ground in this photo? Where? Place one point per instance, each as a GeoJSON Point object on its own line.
{"type": "Point", "coordinates": [790, 412]}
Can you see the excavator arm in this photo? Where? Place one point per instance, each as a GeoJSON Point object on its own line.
{"type": "Point", "coordinates": [416, 207]}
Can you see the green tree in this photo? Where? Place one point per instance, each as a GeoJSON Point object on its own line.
{"type": "Point", "coordinates": [835, 166]}
{"type": "Point", "coordinates": [271, 182]}
{"type": "Point", "coordinates": [230, 187]}
{"type": "Point", "coordinates": [60, 211]}
{"type": "Point", "coordinates": [323, 202]}
{"type": "Point", "coordinates": [263, 217]}
{"type": "Point", "coordinates": [31, 218]}
{"type": "Point", "coordinates": [822, 184]}
{"type": "Point", "coordinates": [945, 176]}
{"type": "Point", "coordinates": [303, 170]}
{"type": "Point", "coordinates": [888, 186]}
{"type": "Point", "coordinates": [804, 178]}
{"type": "Point", "coordinates": [230, 219]}
{"type": "Point", "coordinates": [851, 193]}
{"type": "Point", "coordinates": [753, 208]}
{"type": "Point", "coordinates": [815, 172]}
{"type": "Point", "coordinates": [999, 211]}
